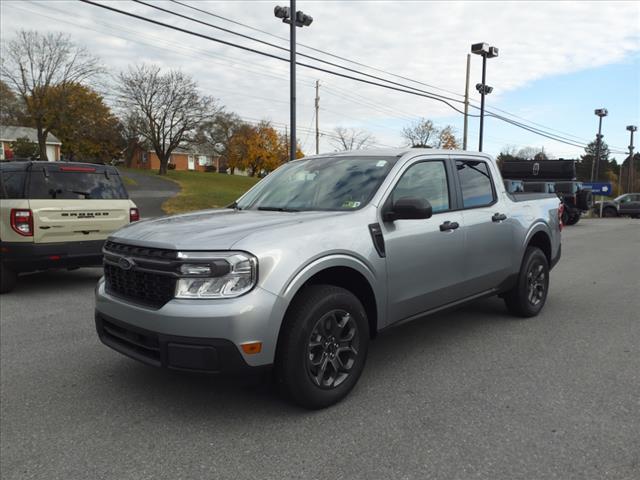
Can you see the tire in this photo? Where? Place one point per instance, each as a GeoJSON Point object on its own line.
{"type": "Point", "coordinates": [8, 279]}
{"type": "Point", "coordinates": [323, 346]}
{"type": "Point", "coordinates": [573, 219]}
{"type": "Point", "coordinates": [609, 212]}
{"type": "Point", "coordinates": [529, 295]}
{"type": "Point", "coordinates": [565, 216]}
{"type": "Point", "coordinates": [584, 199]}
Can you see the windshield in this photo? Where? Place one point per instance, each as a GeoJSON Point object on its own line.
{"type": "Point", "coordinates": [327, 183]}
{"type": "Point", "coordinates": [621, 198]}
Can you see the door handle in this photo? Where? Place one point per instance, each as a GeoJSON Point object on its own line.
{"type": "Point", "coordinates": [498, 217]}
{"type": "Point", "coordinates": [446, 226]}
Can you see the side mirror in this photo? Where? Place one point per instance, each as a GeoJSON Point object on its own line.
{"type": "Point", "coordinates": [408, 208]}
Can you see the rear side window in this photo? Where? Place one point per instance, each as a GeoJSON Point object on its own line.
{"type": "Point", "coordinates": [476, 184]}
{"type": "Point", "coordinates": [12, 184]}
{"type": "Point", "coordinates": [75, 185]}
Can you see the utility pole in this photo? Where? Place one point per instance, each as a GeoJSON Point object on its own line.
{"type": "Point", "coordinates": [317, 121]}
{"type": "Point", "coordinates": [466, 104]}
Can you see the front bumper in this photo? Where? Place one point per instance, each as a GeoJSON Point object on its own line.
{"type": "Point", "coordinates": [30, 257]}
{"type": "Point", "coordinates": [196, 335]}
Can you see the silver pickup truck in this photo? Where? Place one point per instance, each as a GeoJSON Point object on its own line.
{"type": "Point", "coordinates": [303, 270]}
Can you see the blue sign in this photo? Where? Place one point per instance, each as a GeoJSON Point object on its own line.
{"type": "Point", "coordinates": [600, 188]}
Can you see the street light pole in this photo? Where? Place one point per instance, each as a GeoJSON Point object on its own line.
{"type": "Point", "coordinates": [294, 19]}
{"type": "Point", "coordinates": [484, 82]}
{"type": "Point", "coordinates": [631, 172]}
{"type": "Point", "coordinates": [595, 170]}
{"type": "Point", "coordinates": [292, 81]}
{"type": "Point", "coordinates": [466, 104]}
{"type": "Point", "coordinates": [485, 51]}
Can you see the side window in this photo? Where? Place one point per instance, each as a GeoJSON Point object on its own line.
{"type": "Point", "coordinates": [426, 180]}
{"type": "Point", "coordinates": [476, 184]}
{"type": "Point", "coordinates": [12, 184]}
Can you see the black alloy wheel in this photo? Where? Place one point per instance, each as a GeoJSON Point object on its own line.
{"type": "Point", "coordinates": [332, 349]}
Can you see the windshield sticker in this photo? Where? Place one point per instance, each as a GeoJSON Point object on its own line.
{"type": "Point", "coordinates": [381, 163]}
{"type": "Point", "coordinates": [350, 204]}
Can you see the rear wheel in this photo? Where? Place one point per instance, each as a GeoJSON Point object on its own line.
{"type": "Point", "coordinates": [8, 279]}
{"type": "Point", "coordinates": [529, 295]}
{"type": "Point", "coordinates": [573, 219]}
{"type": "Point", "coordinates": [609, 212]}
{"type": "Point", "coordinates": [323, 347]}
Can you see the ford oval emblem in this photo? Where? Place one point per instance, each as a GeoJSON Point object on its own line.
{"type": "Point", "coordinates": [125, 263]}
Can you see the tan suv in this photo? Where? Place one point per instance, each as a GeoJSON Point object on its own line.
{"type": "Point", "coordinates": [57, 215]}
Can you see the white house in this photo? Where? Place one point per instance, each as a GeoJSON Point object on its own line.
{"type": "Point", "coordinates": [10, 134]}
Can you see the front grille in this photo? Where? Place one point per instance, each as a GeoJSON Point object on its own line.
{"type": "Point", "coordinates": [147, 288]}
{"type": "Point", "coordinates": [135, 251]}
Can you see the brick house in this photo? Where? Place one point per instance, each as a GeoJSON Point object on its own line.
{"type": "Point", "coordinates": [9, 134]}
{"type": "Point", "coordinates": [194, 159]}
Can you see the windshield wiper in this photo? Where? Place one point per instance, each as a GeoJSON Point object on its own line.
{"type": "Point", "coordinates": [278, 209]}
{"type": "Point", "coordinates": [235, 206]}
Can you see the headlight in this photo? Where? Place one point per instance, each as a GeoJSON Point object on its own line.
{"type": "Point", "coordinates": [216, 274]}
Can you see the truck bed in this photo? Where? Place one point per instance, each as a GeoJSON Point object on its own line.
{"type": "Point", "coordinates": [525, 196]}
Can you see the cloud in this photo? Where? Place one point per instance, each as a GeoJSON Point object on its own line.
{"type": "Point", "coordinates": [427, 41]}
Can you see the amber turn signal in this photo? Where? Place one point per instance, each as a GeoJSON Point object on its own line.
{"type": "Point", "coordinates": [251, 347]}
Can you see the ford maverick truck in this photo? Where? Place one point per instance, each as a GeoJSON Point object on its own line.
{"type": "Point", "coordinates": [303, 270]}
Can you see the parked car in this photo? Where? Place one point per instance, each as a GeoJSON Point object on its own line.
{"type": "Point", "coordinates": [318, 258]}
{"type": "Point", "coordinates": [624, 205]}
{"type": "Point", "coordinates": [57, 215]}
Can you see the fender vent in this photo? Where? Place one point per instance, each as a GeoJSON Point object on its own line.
{"type": "Point", "coordinates": [378, 239]}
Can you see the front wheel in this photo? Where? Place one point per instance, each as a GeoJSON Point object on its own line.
{"type": "Point", "coordinates": [323, 346]}
{"type": "Point", "coordinates": [573, 219]}
{"type": "Point", "coordinates": [529, 295]}
{"type": "Point", "coordinates": [609, 212]}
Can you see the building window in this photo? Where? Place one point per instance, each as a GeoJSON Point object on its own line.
{"type": "Point", "coordinates": [203, 160]}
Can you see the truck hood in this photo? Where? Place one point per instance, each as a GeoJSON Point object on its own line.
{"type": "Point", "coordinates": [210, 229]}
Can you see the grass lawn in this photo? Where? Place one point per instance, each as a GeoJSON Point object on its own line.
{"type": "Point", "coordinates": [202, 190]}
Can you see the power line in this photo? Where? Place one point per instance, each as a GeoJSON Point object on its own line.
{"type": "Point", "coordinates": [537, 131]}
{"type": "Point", "coordinates": [266, 54]}
{"type": "Point", "coordinates": [575, 138]}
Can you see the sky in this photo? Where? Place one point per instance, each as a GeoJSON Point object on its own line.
{"type": "Point", "coordinates": [558, 61]}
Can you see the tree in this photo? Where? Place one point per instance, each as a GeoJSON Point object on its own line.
{"type": "Point", "coordinates": [351, 139]}
{"type": "Point", "coordinates": [33, 64]}
{"type": "Point", "coordinates": [257, 148]}
{"type": "Point", "coordinates": [420, 134]}
{"type": "Point", "coordinates": [218, 132]}
{"type": "Point", "coordinates": [447, 139]}
{"type": "Point", "coordinates": [585, 165]}
{"type": "Point", "coordinates": [84, 124]}
{"type": "Point", "coordinates": [24, 148]}
{"type": "Point", "coordinates": [165, 107]}
{"type": "Point", "coordinates": [11, 109]}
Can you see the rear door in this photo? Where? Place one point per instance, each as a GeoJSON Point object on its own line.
{"type": "Point", "coordinates": [488, 228]}
{"type": "Point", "coordinates": [71, 203]}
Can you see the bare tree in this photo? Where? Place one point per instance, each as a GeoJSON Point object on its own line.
{"type": "Point", "coordinates": [166, 107]}
{"type": "Point", "coordinates": [218, 132]}
{"type": "Point", "coordinates": [447, 139]}
{"type": "Point", "coordinates": [421, 134]}
{"type": "Point", "coordinates": [351, 139]}
{"type": "Point", "coordinates": [33, 64]}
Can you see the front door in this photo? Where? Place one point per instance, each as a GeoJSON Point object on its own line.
{"type": "Point", "coordinates": [192, 162]}
{"type": "Point", "coordinates": [630, 205]}
{"type": "Point", "coordinates": [424, 261]}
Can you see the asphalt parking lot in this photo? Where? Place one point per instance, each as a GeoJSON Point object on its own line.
{"type": "Point", "coordinates": [472, 393]}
